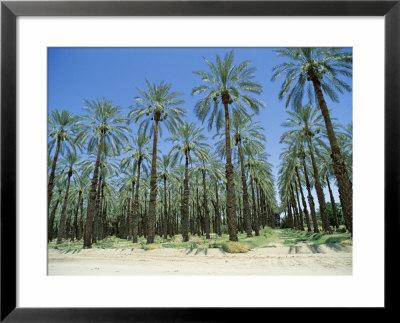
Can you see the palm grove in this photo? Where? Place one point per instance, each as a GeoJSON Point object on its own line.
{"type": "Point", "coordinates": [106, 175]}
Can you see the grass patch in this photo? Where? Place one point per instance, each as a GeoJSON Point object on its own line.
{"type": "Point", "coordinates": [266, 239]}
{"type": "Point", "coordinates": [235, 247]}
{"type": "Point", "coordinates": [293, 237]}
{"type": "Point", "coordinates": [151, 246]}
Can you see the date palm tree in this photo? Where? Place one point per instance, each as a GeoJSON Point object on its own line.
{"type": "Point", "coordinates": [232, 85]}
{"type": "Point", "coordinates": [318, 70]}
{"type": "Point", "coordinates": [138, 152]}
{"type": "Point", "coordinates": [103, 125]}
{"type": "Point", "coordinates": [187, 139]}
{"type": "Point", "coordinates": [305, 124]}
{"type": "Point", "coordinates": [166, 164]}
{"type": "Point", "coordinates": [69, 162]}
{"type": "Point", "coordinates": [154, 105]}
{"type": "Point", "coordinates": [61, 132]}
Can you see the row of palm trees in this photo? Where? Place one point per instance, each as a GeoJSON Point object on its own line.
{"type": "Point", "coordinates": [119, 198]}
{"type": "Point", "coordinates": [304, 145]}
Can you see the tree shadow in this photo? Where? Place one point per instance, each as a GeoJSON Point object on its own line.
{"type": "Point", "coordinates": [336, 246]}
{"type": "Point", "coordinates": [315, 248]}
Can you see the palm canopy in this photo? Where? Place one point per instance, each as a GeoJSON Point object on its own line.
{"type": "Point", "coordinates": [188, 138]}
{"type": "Point", "coordinates": [138, 148]}
{"type": "Point", "coordinates": [327, 64]}
{"type": "Point", "coordinates": [62, 127]}
{"type": "Point", "coordinates": [70, 162]}
{"type": "Point", "coordinates": [305, 121]}
{"type": "Point", "coordinates": [245, 131]}
{"type": "Point", "coordinates": [157, 103]}
{"type": "Point", "coordinates": [103, 120]}
{"type": "Point", "coordinates": [226, 80]}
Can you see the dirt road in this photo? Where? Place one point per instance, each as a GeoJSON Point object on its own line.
{"type": "Point", "coordinates": [328, 259]}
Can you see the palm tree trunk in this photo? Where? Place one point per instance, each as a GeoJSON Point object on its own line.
{"type": "Point", "coordinates": [76, 233]}
{"type": "Point", "coordinates": [61, 227]}
{"type": "Point", "coordinates": [344, 184]}
{"type": "Point", "coordinates": [185, 209]}
{"type": "Point", "coordinates": [132, 211]}
{"type": "Point", "coordinates": [255, 216]}
{"type": "Point", "coordinates": [258, 201]}
{"type": "Point", "coordinates": [310, 197]}
{"type": "Point", "coordinates": [332, 203]}
{"type": "Point", "coordinates": [136, 205]}
{"type": "Point", "coordinates": [52, 217]}
{"type": "Point", "coordinates": [165, 209]}
{"type": "Point", "coordinates": [218, 215]}
{"type": "Point", "coordinates": [151, 219]}
{"type": "Point", "coordinates": [87, 238]}
{"type": "Point", "coordinates": [301, 222]}
{"type": "Point", "coordinates": [145, 225]}
{"type": "Point", "coordinates": [52, 175]}
{"type": "Point", "coordinates": [318, 188]}
{"type": "Point", "coordinates": [81, 221]}
{"type": "Point", "coordinates": [295, 210]}
{"type": "Point", "coordinates": [96, 219]}
{"type": "Point", "coordinates": [205, 206]}
{"type": "Point", "coordinates": [246, 208]}
{"type": "Point", "coordinates": [230, 184]}
{"type": "Point", "coordinates": [304, 201]}
{"type": "Point", "coordinates": [289, 216]}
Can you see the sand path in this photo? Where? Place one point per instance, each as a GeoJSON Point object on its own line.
{"type": "Point", "coordinates": [328, 259]}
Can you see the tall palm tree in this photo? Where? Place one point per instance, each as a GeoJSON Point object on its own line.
{"type": "Point", "coordinates": [154, 105]}
{"type": "Point", "coordinates": [166, 164]}
{"type": "Point", "coordinates": [61, 132]}
{"type": "Point", "coordinates": [70, 162]}
{"type": "Point", "coordinates": [305, 124]}
{"type": "Point", "coordinates": [233, 85]}
{"type": "Point", "coordinates": [248, 132]}
{"type": "Point", "coordinates": [321, 67]}
{"type": "Point", "coordinates": [258, 168]}
{"type": "Point", "coordinates": [204, 168]}
{"type": "Point", "coordinates": [137, 152]}
{"type": "Point", "coordinates": [216, 173]}
{"type": "Point", "coordinates": [187, 138]}
{"type": "Point", "coordinates": [102, 125]}
{"type": "Point", "coordinates": [59, 188]}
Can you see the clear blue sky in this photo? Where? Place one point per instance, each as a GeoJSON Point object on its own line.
{"type": "Point", "coordinates": [75, 74]}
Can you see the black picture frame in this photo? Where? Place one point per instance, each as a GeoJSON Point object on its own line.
{"type": "Point", "coordinates": [10, 10]}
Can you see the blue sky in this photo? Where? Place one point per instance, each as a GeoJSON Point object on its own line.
{"type": "Point", "coordinates": [75, 74]}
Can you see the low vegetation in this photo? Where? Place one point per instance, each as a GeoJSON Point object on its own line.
{"type": "Point", "coordinates": [268, 238]}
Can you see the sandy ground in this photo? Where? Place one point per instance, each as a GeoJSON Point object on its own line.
{"type": "Point", "coordinates": [328, 259]}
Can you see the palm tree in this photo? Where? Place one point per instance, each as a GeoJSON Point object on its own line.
{"type": "Point", "coordinates": [70, 161]}
{"type": "Point", "coordinates": [326, 172]}
{"type": "Point", "coordinates": [204, 169]}
{"type": "Point", "coordinates": [233, 85]}
{"type": "Point", "coordinates": [138, 152]}
{"type": "Point", "coordinates": [322, 67]}
{"type": "Point", "coordinates": [52, 215]}
{"type": "Point", "coordinates": [247, 131]}
{"type": "Point", "coordinates": [187, 138]}
{"type": "Point", "coordinates": [258, 168]}
{"type": "Point", "coordinates": [61, 131]}
{"type": "Point", "coordinates": [103, 125]}
{"type": "Point", "coordinates": [304, 124]}
{"type": "Point", "coordinates": [216, 173]}
{"type": "Point", "coordinates": [166, 164]}
{"type": "Point", "coordinates": [157, 104]}
{"type": "Point", "coordinates": [81, 182]}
